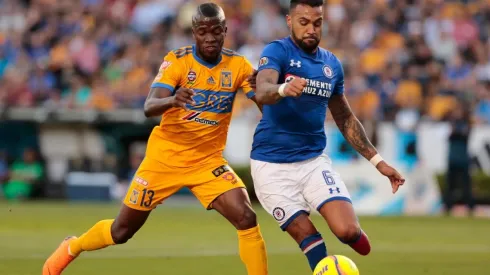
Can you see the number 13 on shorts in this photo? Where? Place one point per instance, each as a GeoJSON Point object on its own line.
{"type": "Point", "coordinates": [141, 198]}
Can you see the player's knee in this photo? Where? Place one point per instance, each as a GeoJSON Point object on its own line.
{"type": "Point", "coordinates": [121, 233]}
{"type": "Point", "coordinates": [348, 232]}
{"type": "Point", "coordinates": [246, 220]}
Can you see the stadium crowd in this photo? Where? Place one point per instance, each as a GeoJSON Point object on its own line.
{"type": "Point", "coordinates": [403, 59]}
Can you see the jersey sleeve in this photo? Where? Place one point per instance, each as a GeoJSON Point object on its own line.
{"type": "Point", "coordinates": [247, 70]}
{"type": "Point", "coordinates": [169, 74]}
{"type": "Point", "coordinates": [339, 75]}
{"type": "Point", "coordinates": [273, 57]}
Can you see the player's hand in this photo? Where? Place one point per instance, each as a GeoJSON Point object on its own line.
{"type": "Point", "coordinates": [295, 87]}
{"type": "Point", "coordinates": [182, 97]}
{"type": "Point", "coordinates": [252, 79]}
{"type": "Point", "coordinates": [396, 179]}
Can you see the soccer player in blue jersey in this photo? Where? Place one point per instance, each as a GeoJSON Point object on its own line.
{"type": "Point", "coordinates": [297, 81]}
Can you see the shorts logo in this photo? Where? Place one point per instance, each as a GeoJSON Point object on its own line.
{"type": "Point", "coordinates": [230, 176]}
{"type": "Point", "coordinates": [334, 190]}
{"type": "Point", "coordinates": [221, 170]}
{"type": "Point", "coordinates": [194, 116]}
{"type": "Point", "coordinates": [133, 198]}
{"type": "Point", "coordinates": [141, 181]}
{"type": "Point", "coordinates": [263, 61]}
{"type": "Point", "coordinates": [191, 77]}
{"type": "Point", "coordinates": [226, 79]}
{"type": "Point", "coordinates": [327, 71]}
{"type": "Point", "coordinates": [278, 214]}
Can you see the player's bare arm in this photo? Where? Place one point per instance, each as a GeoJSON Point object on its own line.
{"type": "Point", "coordinates": [353, 131]}
{"type": "Point", "coordinates": [269, 92]}
{"type": "Point", "coordinates": [160, 100]}
{"type": "Point", "coordinates": [350, 126]}
{"type": "Point", "coordinates": [252, 79]}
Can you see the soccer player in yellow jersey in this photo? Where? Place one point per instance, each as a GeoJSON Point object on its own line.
{"type": "Point", "coordinates": [194, 91]}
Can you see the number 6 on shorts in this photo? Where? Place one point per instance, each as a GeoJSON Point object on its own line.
{"type": "Point", "coordinates": [328, 178]}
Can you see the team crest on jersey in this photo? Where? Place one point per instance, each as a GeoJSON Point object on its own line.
{"type": "Point", "coordinates": [327, 71]}
{"type": "Point", "coordinates": [133, 198]}
{"type": "Point", "coordinates": [278, 214]}
{"type": "Point", "coordinates": [226, 79]}
{"type": "Point", "coordinates": [263, 61]}
{"type": "Point", "coordinates": [191, 77]}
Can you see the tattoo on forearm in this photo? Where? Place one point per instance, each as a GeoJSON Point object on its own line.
{"type": "Point", "coordinates": [267, 86]}
{"type": "Point", "coordinates": [352, 129]}
{"type": "Point", "coordinates": [354, 132]}
{"type": "Point", "coordinates": [271, 89]}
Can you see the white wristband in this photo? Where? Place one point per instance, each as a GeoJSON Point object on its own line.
{"type": "Point", "coordinates": [280, 91]}
{"type": "Point", "coordinates": [376, 159]}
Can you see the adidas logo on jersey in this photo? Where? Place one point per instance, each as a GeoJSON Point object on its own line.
{"type": "Point", "coordinates": [194, 116]}
{"type": "Point", "coordinates": [211, 80]}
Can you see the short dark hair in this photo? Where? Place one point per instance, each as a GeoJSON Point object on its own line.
{"type": "Point", "coordinates": [209, 9]}
{"type": "Point", "coordinates": [311, 3]}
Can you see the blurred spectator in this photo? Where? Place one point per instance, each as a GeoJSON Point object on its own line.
{"type": "Point", "coordinates": [458, 172]}
{"type": "Point", "coordinates": [4, 171]}
{"type": "Point", "coordinates": [401, 58]}
{"type": "Point", "coordinates": [23, 175]}
{"type": "Point", "coordinates": [483, 105]}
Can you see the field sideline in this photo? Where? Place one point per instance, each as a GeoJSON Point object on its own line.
{"type": "Point", "coordinates": [189, 240]}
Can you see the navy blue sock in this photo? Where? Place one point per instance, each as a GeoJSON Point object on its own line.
{"type": "Point", "coordinates": [314, 248]}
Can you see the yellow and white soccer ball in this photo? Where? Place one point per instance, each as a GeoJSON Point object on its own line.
{"type": "Point", "coordinates": [336, 265]}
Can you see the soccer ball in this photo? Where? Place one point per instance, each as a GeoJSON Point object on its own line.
{"type": "Point", "coordinates": [336, 265]}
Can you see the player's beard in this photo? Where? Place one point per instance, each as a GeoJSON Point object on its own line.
{"type": "Point", "coordinates": [309, 48]}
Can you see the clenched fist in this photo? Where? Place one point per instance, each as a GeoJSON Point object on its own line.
{"type": "Point", "coordinates": [182, 97]}
{"type": "Point", "coordinates": [295, 87]}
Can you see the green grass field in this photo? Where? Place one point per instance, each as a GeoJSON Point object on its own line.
{"type": "Point", "coordinates": [190, 240]}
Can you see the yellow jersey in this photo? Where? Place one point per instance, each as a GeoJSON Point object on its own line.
{"type": "Point", "coordinates": [198, 135]}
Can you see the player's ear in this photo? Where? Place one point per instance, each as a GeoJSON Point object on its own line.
{"type": "Point", "coordinates": [288, 20]}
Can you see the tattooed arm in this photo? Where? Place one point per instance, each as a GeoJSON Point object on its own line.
{"type": "Point", "coordinates": [350, 126]}
{"type": "Point", "coordinates": [354, 133]}
{"type": "Point", "coordinates": [267, 87]}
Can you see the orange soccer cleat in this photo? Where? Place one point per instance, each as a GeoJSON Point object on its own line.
{"type": "Point", "coordinates": [60, 258]}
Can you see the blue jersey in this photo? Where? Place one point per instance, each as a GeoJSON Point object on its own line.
{"type": "Point", "coordinates": [293, 129]}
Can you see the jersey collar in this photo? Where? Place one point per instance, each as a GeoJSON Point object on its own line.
{"type": "Point", "coordinates": [202, 62]}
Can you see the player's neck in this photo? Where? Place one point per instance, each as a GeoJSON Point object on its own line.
{"type": "Point", "coordinates": [200, 59]}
